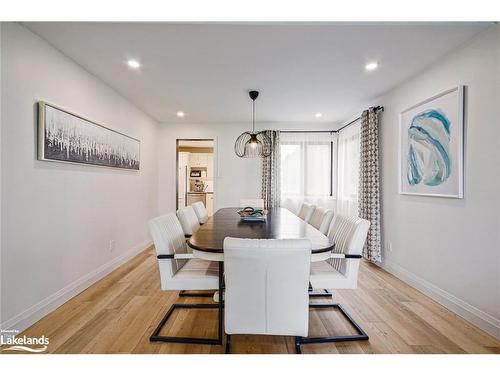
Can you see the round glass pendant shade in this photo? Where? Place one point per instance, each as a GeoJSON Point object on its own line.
{"type": "Point", "coordinates": [253, 144]}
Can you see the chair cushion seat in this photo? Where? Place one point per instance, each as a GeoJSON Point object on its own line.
{"type": "Point", "coordinates": [196, 274]}
{"type": "Point", "coordinates": [324, 268]}
{"type": "Point", "coordinates": [325, 276]}
{"type": "Point", "coordinates": [198, 268]}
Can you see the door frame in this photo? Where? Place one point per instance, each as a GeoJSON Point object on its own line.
{"type": "Point", "coordinates": [214, 140]}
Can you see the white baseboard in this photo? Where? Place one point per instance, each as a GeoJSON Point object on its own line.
{"type": "Point", "coordinates": [33, 314]}
{"type": "Point", "coordinates": [479, 318]}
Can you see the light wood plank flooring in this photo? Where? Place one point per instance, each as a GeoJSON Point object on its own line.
{"type": "Point", "coordinates": [119, 313]}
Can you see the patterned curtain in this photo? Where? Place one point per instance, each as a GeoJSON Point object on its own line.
{"type": "Point", "coordinates": [369, 191]}
{"type": "Point", "coordinates": [270, 172]}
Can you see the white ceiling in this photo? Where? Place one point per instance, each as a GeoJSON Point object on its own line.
{"type": "Point", "coordinates": [206, 70]}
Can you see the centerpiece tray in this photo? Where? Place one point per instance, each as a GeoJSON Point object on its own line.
{"type": "Point", "coordinates": [252, 215]}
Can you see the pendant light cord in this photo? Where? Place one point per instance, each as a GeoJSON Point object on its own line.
{"type": "Point", "coordinates": [253, 116]}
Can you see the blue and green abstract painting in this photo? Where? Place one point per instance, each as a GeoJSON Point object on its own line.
{"type": "Point", "coordinates": [428, 159]}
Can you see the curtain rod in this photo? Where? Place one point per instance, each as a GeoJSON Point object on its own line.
{"type": "Point", "coordinates": [377, 108]}
{"type": "Point", "coordinates": [308, 131]}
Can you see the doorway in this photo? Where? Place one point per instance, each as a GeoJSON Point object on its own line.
{"type": "Point", "coordinates": [195, 173]}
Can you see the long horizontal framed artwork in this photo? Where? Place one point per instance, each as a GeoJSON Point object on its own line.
{"type": "Point", "coordinates": [66, 137]}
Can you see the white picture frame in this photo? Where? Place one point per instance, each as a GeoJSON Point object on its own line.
{"type": "Point", "coordinates": [431, 158]}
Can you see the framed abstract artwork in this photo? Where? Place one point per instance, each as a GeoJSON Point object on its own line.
{"type": "Point", "coordinates": [66, 137]}
{"type": "Point", "coordinates": [431, 148]}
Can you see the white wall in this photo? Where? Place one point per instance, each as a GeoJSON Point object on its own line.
{"type": "Point", "coordinates": [58, 219]}
{"type": "Point", "coordinates": [235, 177]}
{"type": "Point", "coordinates": [450, 248]}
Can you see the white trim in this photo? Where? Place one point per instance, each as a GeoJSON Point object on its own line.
{"type": "Point", "coordinates": [36, 312]}
{"type": "Point", "coordinates": [472, 314]}
{"type": "Point", "coordinates": [461, 121]}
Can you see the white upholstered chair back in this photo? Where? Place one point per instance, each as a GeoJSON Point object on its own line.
{"type": "Point", "coordinates": [200, 211]}
{"type": "Point", "coordinates": [290, 204]}
{"type": "Point", "coordinates": [188, 219]}
{"type": "Point", "coordinates": [349, 234]}
{"type": "Point", "coordinates": [168, 238]}
{"type": "Point", "coordinates": [321, 219]}
{"type": "Point", "coordinates": [306, 211]}
{"type": "Point", "coordinates": [267, 286]}
{"type": "Point", "coordinates": [252, 202]}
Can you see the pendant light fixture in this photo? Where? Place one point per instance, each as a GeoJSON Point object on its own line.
{"type": "Point", "coordinates": [253, 144]}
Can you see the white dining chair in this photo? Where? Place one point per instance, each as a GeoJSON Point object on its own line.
{"type": "Point", "coordinates": [188, 219]}
{"type": "Point", "coordinates": [179, 270]}
{"type": "Point", "coordinates": [252, 202]}
{"type": "Point", "coordinates": [340, 270]}
{"type": "Point", "coordinates": [306, 211]}
{"type": "Point", "coordinates": [266, 287]}
{"type": "Point", "coordinates": [321, 219]}
{"type": "Point", "coordinates": [291, 205]}
{"type": "Point", "coordinates": [201, 212]}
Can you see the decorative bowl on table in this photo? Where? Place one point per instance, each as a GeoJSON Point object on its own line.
{"type": "Point", "coordinates": [252, 214]}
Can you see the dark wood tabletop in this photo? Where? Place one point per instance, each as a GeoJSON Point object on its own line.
{"type": "Point", "coordinates": [280, 224]}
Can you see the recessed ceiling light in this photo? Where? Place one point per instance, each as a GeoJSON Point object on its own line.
{"type": "Point", "coordinates": [180, 114]}
{"type": "Point", "coordinates": [371, 66]}
{"type": "Point", "coordinates": [318, 115]}
{"type": "Point", "coordinates": [134, 64]}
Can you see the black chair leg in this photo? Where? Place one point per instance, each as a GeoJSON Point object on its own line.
{"type": "Point", "coordinates": [311, 294]}
{"type": "Point", "coordinates": [155, 337]}
{"type": "Point", "coordinates": [325, 294]}
{"type": "Point", "coordinates": [228, 344]}
{"type": "Point", "coordinates": [298, 341]}
{"type": "Point", "coordinates": [184, 293]}
{"type": "Point", "coordinates": [361, 335]}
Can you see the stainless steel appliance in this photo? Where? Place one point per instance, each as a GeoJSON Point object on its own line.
{"type": "Point", "coordinates": [195, 173]}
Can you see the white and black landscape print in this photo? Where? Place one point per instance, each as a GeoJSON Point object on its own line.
{"type": "Point", "coordinates": [69, 138]}
{"type": "Point", "coordinates": [432, 146]}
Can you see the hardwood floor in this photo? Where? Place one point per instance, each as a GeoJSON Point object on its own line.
{"type": "Point", "coordinates": [119, 313]}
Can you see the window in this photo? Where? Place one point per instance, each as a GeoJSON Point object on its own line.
{"type": "Point", "coordinates": [291, 157]}
{"type": "Point", "coordinates": [307, 161]}
{"type": "Point", "coordinates": [321, 168]}
{"type": "Point", "coordinates": [348, 169]}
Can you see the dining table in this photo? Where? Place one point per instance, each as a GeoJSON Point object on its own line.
{"type": "Point", "coordinates": [280, 223]}
{"type": "Point", "coordinates": [208, 242]}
